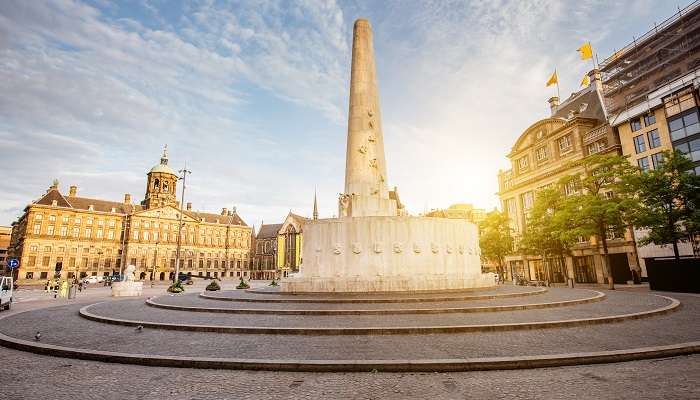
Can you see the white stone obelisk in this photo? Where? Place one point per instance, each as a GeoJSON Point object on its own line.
{"type": "Point", "coordinates": [366, 192]}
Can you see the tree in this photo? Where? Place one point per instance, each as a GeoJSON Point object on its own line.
{"type": "Point", "coordinates": [669, 201]}
{"type": "Point", "coordinates": [495, 238]}
{"type": "Point", "coordinates": [596, 206]}
{"type": "Point", "coordinates": [547, 229]}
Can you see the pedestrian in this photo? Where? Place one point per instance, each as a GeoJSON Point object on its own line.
{"type": "Point", "coordinates": [80, 286]}
{"type": "Point", "coordinates": [47, 285]}
{"type": "Point", "coordinates": [64, 289]}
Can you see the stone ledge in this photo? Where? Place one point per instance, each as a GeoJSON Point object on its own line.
{"type": "Point", "coordinates": [428, 365]}
{"type": "Point", "coordinates": [675, 304]}
{"type": "Point", "coordinates": [597, 297]}
{"type": "Point", "coordinates": [379, 300]}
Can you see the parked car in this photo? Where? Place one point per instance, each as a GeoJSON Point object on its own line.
{"type": "Point", "coordinates": [93, 279]}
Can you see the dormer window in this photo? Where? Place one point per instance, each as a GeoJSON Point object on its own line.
{"type": "Point", "coordinates": [54, 203]}
{"type": "Point", "coordinates": [91, 208]}
{"type": "Point", "coordinates": [582, 107]}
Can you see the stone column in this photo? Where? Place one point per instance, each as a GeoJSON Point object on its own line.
{"type": "Point", "coordinates": [365, 169]}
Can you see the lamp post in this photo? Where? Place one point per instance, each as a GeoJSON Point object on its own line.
{"type": "Point", "coordinates": [184, 173]}
{"type": "Point", "coordinates": [122, 260]}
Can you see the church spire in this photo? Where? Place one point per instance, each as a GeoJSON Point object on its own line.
{"type": "Point", "coordinates": [315, 206]}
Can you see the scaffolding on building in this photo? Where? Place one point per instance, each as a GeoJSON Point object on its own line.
{"type": "Point", "coordinates": [666, 52]}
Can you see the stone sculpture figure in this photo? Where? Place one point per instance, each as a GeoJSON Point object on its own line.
{"type": "Point", "coordinates": [129, 273]}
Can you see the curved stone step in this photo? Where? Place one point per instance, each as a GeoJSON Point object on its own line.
{"type": "Point", "coordinates": [596, 296]}
{"type": "Point", "coordinates": [381, 330]}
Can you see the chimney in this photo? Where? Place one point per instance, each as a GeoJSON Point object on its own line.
{"type": "Point", "coordinates": [189, 206]}
{"type": "Point", "coordinates": [554, 104]}
{"type": "Point", "coordinates": [127, 198]}
{"type": "Point", "coordinates": [73, 191]}
{"type": "Point", "coordinates": [224, 211]}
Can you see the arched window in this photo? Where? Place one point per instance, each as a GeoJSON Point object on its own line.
{"type": "Point", "coordinates": [156, 184]}
{"type": "Point", "coordinates": [165, 187]}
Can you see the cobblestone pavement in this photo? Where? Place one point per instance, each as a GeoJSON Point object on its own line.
{"type": "Point", "coordinates": [553, 295]}
{"type": "Point", "coordinates": [62, 325]}
{"type": "Point", "coordinates": [30, 376]}
{"type": "Point", "coordinates": [615, 303]}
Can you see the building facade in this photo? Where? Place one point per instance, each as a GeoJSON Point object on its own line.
{"type": "Point", "coordinates": [651, 95]}
{"type": "Point", "coordinates": [540, 157]}
{"type": "Point", "coordinates": [5, 237]}
{"type": "Point", "coordinates": [459, 211]}
{"type": "Point", "coordinates": [277, 248]}
{"type": "Point", "coordinates": [65, 235]}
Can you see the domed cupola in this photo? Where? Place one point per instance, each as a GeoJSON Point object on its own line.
{"type": "Point", "coordinates": [161, 182]}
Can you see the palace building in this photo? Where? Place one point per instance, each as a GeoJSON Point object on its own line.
{"type": "Point", "coordinates": [540, 157]}
{"type": "Point", "coordinates": [62, 234]}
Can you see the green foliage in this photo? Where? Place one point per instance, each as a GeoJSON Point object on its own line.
{"type": "Point", "coordinates": [176, 287]}
{"type": "Point", "coordinates": [598, 206]}
{"type": "Point", "coordinates": [548, 229]}
{"type": "Point", "coordinates": [243, 285]}
{"type": "Point", "coordinates": [495, 237]}
{"type": "Point", "coordinates": [274, 283]}
{"type": "Point", "coordinates": [213, 286]}
{"type": "Point", "coordinates": [669, 201]}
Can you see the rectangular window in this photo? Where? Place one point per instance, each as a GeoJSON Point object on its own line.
{"type": "Point", "coordinates": [111, 223]}
{"type": "Point", "coordinates": [31, 261]}
{"type": "Point", "coordinates": [570, 188]}
{"type": "Point", "coordinates": [88, 232]}
{"type": "Point", "coordinates": [541, 154]}
{"type": "Point", "coordinates": [679, 102]}
{"type": "Point", "coordinates": [597, 147]}
{"type": "Point", "coordinates": [639, 145]}
{"type": "Point", "coordinates": [37, 229]}
{"type": "Point", "coordinates": [643, 163]}
{"type": "Point", "coordinates": [649, 119]}
{"type": "Point", "coordinates": [52, 218]}
{"type": "Point", "coordinates": [45, 261]}
{"type": "Point", "coordinates": [695, 150]}
{"type": "Point", "coordinates": [136, 235]}
{"type": "Point", "coordinates": [47, 249]}
{"type": "Point", "coordinates": [88, 221]}
{"type": "Point", "coordinates": [654, 138]}
{"type": "Point", "coordinates": [635, 124]}
{"type": "Point", "coordinates": [657, 159]}
{"type": "Point", "coordinates": [38, 217]}
{"type": "Point", "coordinates": [76, 232]}
{"type": "Point", "coordinates": [64, 231]}
{"type": "Point", "coordinates": [523, 163]}
{"type": "Point", "coordinates": [684, 125]}
{"type": "Point", "coordinates": [65, 219]}
{"type": "Point", "coordinates": [528, 200]}
{"type": "Point", "coordinates": [77, 220]}
{"type": "Point", "coordinates": [100, 222]}
{"type": "Point", "coordinates": [49, 230]}
{"type": "Point", "coordinates": [145, 235]}
{"type": "Point", "coordinates": [110, 235]}
{"type": "Point", "coordinates": [564, 144]}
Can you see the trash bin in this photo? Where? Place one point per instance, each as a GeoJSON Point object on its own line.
{"type": "Point", "coordinates": [72, 291]}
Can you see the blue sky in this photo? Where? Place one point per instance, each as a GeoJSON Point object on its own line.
{"type": "Point", "coordinates": [253, 94]}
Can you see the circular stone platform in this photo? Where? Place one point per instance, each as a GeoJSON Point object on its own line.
{"type": "Point", "coordinates": [502, 328]}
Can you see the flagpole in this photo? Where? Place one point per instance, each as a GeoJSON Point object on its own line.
{"type": "Point", "coordinates": [558, 95]}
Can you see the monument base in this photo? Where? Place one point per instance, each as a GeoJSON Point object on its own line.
{"type": "Point", "coordinates": [386, 284]}
{"type": "Point", "coordinates": [127, 289]}
{"type": "Point", "coordinates": [389, 254]}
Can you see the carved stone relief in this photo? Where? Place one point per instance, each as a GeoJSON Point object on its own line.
{"type": "Point", "coordinates": [356, 248]}
{"type": "Point", "coordinates": [397, 247]}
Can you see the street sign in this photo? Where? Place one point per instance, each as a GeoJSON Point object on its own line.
{"type": "Point", "coordinates": [13, 263]}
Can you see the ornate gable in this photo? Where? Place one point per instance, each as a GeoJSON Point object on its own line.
{"type": "Point", "coordinates": [166, 212]}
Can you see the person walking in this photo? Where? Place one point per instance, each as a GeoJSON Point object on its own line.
{"type": "Point", "coordinates": [47, 286]}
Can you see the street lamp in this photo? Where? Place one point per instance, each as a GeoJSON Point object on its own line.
{"type": "Point", "coordinates": [184, 173]}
